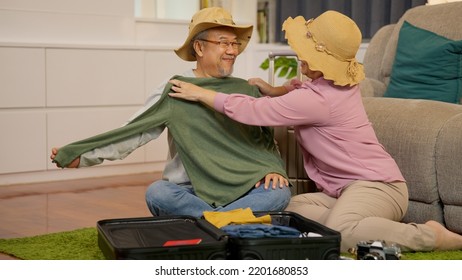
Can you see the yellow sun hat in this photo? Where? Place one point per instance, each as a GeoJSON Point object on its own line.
{"type": "Point", "coordinates": [209, 18]}
{"type": "Point", "coordinates": [328, 44]}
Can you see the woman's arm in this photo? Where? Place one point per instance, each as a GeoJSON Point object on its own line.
{"type": "Point", "coordinates": [300, 107]}
{"type": "Point", "coordinates": [192, 92]}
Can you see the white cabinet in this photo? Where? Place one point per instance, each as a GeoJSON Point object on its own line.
{"type": "Point", "coordinates": [22, 141]}
{"type": "Point", "coordinates": [53, 95]}
{"type": "Point", "coordinates": [22, 77]}
{"type": "Point", "coordinates": [86, 77]}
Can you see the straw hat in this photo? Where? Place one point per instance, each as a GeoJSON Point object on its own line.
{"type": "Point", "coordinates": [208, 18]}
{"type": "Point", "coordinates": [328, 44]}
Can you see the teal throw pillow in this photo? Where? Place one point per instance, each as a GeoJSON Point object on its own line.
{"type": "Point", "coordinates": [426, 66]}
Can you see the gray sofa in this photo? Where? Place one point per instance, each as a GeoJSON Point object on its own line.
{"type": "Point", "coordinates": [423, 136]}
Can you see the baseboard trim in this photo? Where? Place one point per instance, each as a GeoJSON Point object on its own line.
{"type": "Point", "coordinates": [80, 173]}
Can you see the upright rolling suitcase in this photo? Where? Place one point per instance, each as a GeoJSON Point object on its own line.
{"type": "Point", "coordinates": [285, 138]}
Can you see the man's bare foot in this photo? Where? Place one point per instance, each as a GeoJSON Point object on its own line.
{"type": "Point", "coordinates": [446, 240]}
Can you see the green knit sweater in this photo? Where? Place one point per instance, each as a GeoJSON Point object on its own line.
{"type": "Point", "coordinates": [223, 158]}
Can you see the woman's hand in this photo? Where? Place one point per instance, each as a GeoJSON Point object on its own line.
{"type": "Point", "coordinates": [263, 86]}
{"type": "Point", "coordinates": [191, 92]}
{"type": "Point", "coordinates": [267, 89]}
{"type": "Point", "coordinates": [278, 181]}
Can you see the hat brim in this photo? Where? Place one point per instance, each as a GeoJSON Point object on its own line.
{"type": "Point", "coordinates": [305, 48]}
{"type": "Point", "coordinates": [243, 33]}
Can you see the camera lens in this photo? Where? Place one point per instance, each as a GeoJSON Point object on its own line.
{"type": "Point", "coordinates": [372, 256]}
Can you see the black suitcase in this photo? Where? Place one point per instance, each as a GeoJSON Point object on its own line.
{"type": "Point", "coordinates": [324, 247]}
{"type": "Point", "coordinates": [161, 238]}
{"type": "Point", "coordinates": [176, 237]}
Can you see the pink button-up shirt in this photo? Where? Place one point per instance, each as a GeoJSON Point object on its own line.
{"type": "Point", "coordinates": [338, 142]}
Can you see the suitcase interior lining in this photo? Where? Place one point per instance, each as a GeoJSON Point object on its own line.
{"type": "Point", "coordinates": [155, 233]}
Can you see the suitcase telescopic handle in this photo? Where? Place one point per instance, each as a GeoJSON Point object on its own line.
{"type": "Point", "coordinates": [271, 70]}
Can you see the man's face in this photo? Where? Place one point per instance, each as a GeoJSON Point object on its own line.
{"type": "Point", "coordinates": [217, 60]}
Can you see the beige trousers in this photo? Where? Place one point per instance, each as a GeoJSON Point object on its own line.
{"type": "Point", "coordinates": [366, 211]}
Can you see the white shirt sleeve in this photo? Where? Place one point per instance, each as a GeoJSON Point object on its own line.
{"type": "Point", "coordinates": [121, 149]}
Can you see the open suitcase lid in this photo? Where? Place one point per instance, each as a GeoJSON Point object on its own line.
{"type": "Point", "coordinates": [159, 231]}
{"type": "Point", "coordinates": [168, 237]}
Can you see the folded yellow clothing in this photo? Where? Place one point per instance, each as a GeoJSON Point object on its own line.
{"type": "Point", "coordinates": [237, 216]}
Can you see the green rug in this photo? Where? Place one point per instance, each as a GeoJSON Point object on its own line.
{"type": "Point", "coordinates": [82, 244]}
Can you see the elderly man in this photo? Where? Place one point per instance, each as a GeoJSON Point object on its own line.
{"type": "Point", "coordinates": [216, 164]}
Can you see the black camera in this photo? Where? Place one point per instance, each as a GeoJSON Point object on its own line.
{"type": "Point", "coordinates": [377, 250]}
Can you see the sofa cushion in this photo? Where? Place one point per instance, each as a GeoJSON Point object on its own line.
{"type": "Point", "coordinates": [441, 19]}
{"type": "Point", "coordinates": [426, 66]}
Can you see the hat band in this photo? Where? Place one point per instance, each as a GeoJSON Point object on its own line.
{"type": "Point", "coordinates": [353, 65]}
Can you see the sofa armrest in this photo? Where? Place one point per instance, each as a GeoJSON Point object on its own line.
{"type": "Point", "coordinates": [372, 88]}
{"type": "Point", "coordinates": [375, 52]}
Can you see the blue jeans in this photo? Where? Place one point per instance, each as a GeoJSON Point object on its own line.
{"type": "Point", "coordinates": [166, 198]}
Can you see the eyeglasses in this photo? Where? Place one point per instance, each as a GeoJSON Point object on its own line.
{"type": "Point", "coordinates": [224, 44]}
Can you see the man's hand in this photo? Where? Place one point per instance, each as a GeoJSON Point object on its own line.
{"type": "Point", "coordinates": [278, 180]}
{"type": "Point", "coordinates": [74, 164]}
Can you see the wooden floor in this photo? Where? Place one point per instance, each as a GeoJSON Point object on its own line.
{"type": "Point", "coordinates": [35, 209]}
